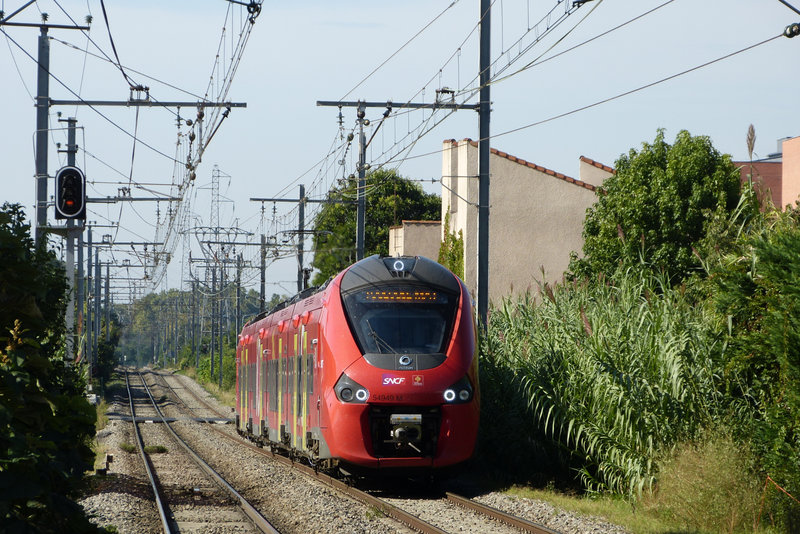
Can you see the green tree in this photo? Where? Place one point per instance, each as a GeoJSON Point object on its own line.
{"type": "Point", "coordinates": [657, 207]}
{"type": "Point", "coordinates": [45, 421]}
{"type": "Point", "coordinates": [390, 200]}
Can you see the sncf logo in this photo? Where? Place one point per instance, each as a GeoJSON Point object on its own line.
{"type": "Point", "coordinates": [392, 380]}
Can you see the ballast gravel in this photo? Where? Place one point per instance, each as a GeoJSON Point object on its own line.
{"type": "Point", "coordinates": [292, 502]}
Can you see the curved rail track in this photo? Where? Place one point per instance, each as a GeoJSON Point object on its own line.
{"type": "Point", "coordinates": [249, 512]}
{"type": "Point", "coordinates": [391, 510]}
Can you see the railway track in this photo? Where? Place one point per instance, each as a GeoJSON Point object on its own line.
{"type": "Point", "coordinates": [480, 517]}
{"type": "Point", "coordinates": [189, 494]}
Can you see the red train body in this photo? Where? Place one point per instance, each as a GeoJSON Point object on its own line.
{"type": "Point", "coordinates": [377, 369]}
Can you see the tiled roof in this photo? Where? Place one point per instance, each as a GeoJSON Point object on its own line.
{"type": "Point", "coordinates": [416, 222]}
{"type": "Point", "coordinates": [598, 165]}
{"type": "Point", "coordinates": [534, 166]}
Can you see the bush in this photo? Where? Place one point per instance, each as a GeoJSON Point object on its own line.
{"type": "Point", "coordinates": [509, 447]}
{"type": "Point", "coordinates": [755, 291]}
{"type": "Point", "coordinates": [709, 487]}
{"type": "Point", "coordinates": [613, 372]}
{"type": "Point", "coordinates": [228, 368]}
{"type": "Point", "coordinates": [46, 424]}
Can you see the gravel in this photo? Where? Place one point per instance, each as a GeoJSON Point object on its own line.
{"type": "Point", "coordinates": [292, 502]}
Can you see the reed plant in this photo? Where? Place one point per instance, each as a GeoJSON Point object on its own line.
{"type": "Point", "coordinates": [615, 371]}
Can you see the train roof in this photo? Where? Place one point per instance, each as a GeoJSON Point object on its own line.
{"type": "Point", "coordinates": [379, 270]}
{"type": "Point", "coordinates": [375, 270]}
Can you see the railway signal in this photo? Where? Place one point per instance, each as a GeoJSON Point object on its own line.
{"type": "Point", "coordinates": [70, 193]}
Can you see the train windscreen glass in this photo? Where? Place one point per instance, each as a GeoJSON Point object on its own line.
{"type": "Point", "coordinates": [401, 319]}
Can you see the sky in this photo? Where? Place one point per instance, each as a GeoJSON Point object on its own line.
{"type": "Point", "coordinates": [300, 52]}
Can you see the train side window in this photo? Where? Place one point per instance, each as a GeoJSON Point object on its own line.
{"type": "Point", "coordinates": [298, 367]}
{"type": "Point", "coordinates": [310, 377]}
{"type": "Point", "coordinates": [272, 385]}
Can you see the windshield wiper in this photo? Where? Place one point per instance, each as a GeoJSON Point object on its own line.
{"type": "Point", "coordinates": [379, 340]}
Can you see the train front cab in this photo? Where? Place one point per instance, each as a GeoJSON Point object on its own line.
{"type": "Point", "coordinates": [410, 398]}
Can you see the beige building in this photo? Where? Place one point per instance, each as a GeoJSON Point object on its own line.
{"type": "Point", "coordinates": [416, 238]}
{"type": "Point", "coordinates": [535, 217]}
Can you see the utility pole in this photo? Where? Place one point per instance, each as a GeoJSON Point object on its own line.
{"type": "Point", "coordinates": [263, 304]}
{"type": "Point", "coordinates": [70, 259]}
{"type": "Point", "coordinates": [301, 226]}
{"type": "Point", "coordinates": [89, 315]}
{"type": "Point", "coordinates": [220, 332]}
{"type": "Point", "coordinates": [213, 315]}
{"type": "Point", "coordinates": [238, 327]}
{"type": "Point", "coordinates": [484, 153]}
{"type": "Point", "coordinates": [97, 278]}
{"type": "Point", "coordinates": [42, 107]}
{"type": "Point", "coordinates": [301, 232]}
{"type": "Point", "coordinates": [81, 301]}
{"type": "Point", "coordinates": [108, 302]}
{"type": "Point", "coordinates": [361, 187]}
{"type": "Point", "coordinates": [194, 325]}
{"type": "Point", "coordinates": [363, 144]}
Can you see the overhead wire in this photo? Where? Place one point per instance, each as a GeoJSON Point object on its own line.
{"type": "Point", "coordinates": [133, 158]}
{"type": "Point", "coordinates": [93, 108]}
{"type": "Point", "coordinates": [617, 96]}
{"type": "Point", "coordinates": [16, 66]}
{"type": "Point", "coordinates": [133, 85]}
{"type": "Point", "coordinates": [493, 80]}
{"type": "Point", "coordinates": [420, 32]}
{"type": "Point", "coordinates": [130, 69]}
{"type": "Point", "coordinates": [539, 61]}
{"type": "Point", "coordinates": [640, 88]}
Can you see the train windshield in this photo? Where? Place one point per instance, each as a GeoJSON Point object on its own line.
{"type": "Point", "coordinates": [401, 319]}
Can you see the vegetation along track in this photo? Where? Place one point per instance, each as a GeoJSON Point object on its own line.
{"type": "Point", "coordinates": [424, 512]}
{"type": "Point", "coordinates": [189, 494]}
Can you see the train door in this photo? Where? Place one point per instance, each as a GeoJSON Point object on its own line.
{"type": "Point", "coordinates": [264, 353]}
{"type": "Point", "coordinates": [281, 389]}
{"type": "Point", "coordinates": [239, 387]}
{"type": "Point", "coordinates": [308, 389]}
{"type": "Point", "coordinates": [258, 392]}
{"type": "Point", "coordinates": [272, 392]}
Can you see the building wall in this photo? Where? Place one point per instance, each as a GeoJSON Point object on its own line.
{"type": "Point", "coordinates": [416, 238]}
{"type": "Point", "coordinates": [592, 172]}
{"type": "Point", "coordinates": [777, 177]}
{"type": "Point", "coordinates": [790, 187]}
{"type": "Point", "coordinates": [766, 178]}
{"type": "Point", "coordinates": [535, 219]}
{"type": "Point", "coordinates": [460, 196]}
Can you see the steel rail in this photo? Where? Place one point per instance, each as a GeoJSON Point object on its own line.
{"type": "Point", "coordinates": [194, 395]}
{"type": "Point", "coordinates": [494, 513]}
{"type": "Point", "coordinates": [370, 500]}
{"type": "Point", "coordinates": [259, 521]}
{"type": "Point", "coordinates": [386, 508]}
{"type": "Point", "coordinates": [147, 465]}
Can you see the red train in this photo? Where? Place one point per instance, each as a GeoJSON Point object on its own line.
{"type": "Point", "coordinates": [377, 369]}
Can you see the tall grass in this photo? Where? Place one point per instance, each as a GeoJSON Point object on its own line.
{"type": "Point", "coordinates": [615, 373]}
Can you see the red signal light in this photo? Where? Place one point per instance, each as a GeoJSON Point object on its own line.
{"type": "Point", "coordinates": [70, 197]}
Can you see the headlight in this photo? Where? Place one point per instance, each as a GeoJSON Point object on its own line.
{"type": "Point", "coordinates": [348, 390]}
{"type": "Point", "coordinates": [458, 393]}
